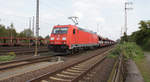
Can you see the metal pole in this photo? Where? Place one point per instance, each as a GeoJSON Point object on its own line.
{"type": "Point", "coordinates": [97, 29]}
{"type": "Point", "coordinates": [121, 31]}
{"type": "Point", "coordinates": [37, 28]}
{"type": "Point", "coordinates": [127, 8]}
{"type": "Point", "coordinates": [126, 18]}
{"type": "Point", "coordinates": [30, 29]}
{"type": "Point", "coordinates": [11, 33]}
{"type": "Point", "coordinates": [33, 26]}
{"type": "Point", "coordinates": [126, 27]}
{"type": "Point", "coordinates": [30, 23]}
{"type": "Point", "coordinates": [11, 36]}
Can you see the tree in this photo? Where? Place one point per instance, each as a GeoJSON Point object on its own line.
{"type": "Point", "coordinates": [26, 33]}
{"type": "Point", "coordinates": [47, 37]}
{"type": "Point", "coordinates": [11, 31]}
{"type": "Point", "coordinates": [3, 31]}
{"type": "Point", "coordinates": [143, 25]}
{"type": "Point", "coordinates": [142, 36]}
{"type": "Point", "coordinates": [40, 37]}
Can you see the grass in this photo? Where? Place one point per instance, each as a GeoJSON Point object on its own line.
{"type": "Point", "coordinates": [6, 58]}
{"type": "Point", "coordinates": [129, 50]}
{"type": "Point", "coordinates": [10, 56]}
{"type": "Point", "coordinates": [144, 69]}
{"type": "Point", "coordinates": [115, 52]}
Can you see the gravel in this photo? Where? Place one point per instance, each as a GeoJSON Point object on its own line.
{"type": "Point", "coordinates": [30, 75]}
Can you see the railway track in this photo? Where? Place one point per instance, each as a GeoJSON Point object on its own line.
{"type": "Point", "coordinates": [9, 49]}
{"type": "Point", "coordinates": [25, 61]}
{"type": "Point", "coordinates": [22, 62]}
{"type": "Point", "coordinates": [19, 51]}
{"type": "Point", "coordinates": [73, 72]}
{"type": "Point", "coordinates": [118, 71]}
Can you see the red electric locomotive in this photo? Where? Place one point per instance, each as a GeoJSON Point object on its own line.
{"type": "Point", "coordinates": [70, 38]}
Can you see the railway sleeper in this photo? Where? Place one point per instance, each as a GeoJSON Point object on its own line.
{"type": "Point", "coordinates": [72, 70]}
{"type": "Point", "coordinates": [59, 79]}
{"type": "Point", "coordinates": [76, 72]}
{"type": "Point", "coordinates": [70, 74]}
{"type": "Point", "coordinates": [88, 77]}
{"type": "Point", "coordinates": [67, 75]}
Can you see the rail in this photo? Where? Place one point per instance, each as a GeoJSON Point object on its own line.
{"type": "Point", "coordinates": [76, 69]}
{"type": "Point", "coordinates": [118, 74]}
{"type": "Point", "coordinates": [22, 62]}
{"type": "Point", "coordinates": [22, 51]}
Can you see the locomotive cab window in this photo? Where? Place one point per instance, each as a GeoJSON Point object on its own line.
{"type": "Point", "coordinates": [62, 30]}
{"type": "Point", "coordinates": [74, 31]}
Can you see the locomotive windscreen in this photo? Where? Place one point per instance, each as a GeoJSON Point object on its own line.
{"type": "Point", "coordinates": [60, 30]}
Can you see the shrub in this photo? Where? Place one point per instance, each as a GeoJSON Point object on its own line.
{"type": "Point", "coordinates": [8, 57]}
{"type": "Point", "coordinates": [128, 49]}
{"type": "Point", "coordinates": [11, 54]}
{"type": "Point", "coordinates": [115, 52]}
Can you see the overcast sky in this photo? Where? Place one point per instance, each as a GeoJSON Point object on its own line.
{"type": "Point", "coordinates": [103, 16]}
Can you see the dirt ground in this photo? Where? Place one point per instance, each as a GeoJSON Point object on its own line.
{"type": "Point", "coordinates": [147, 55]}
{"type": "Point", "coordinates": [144, 66]}
{"type": "Point", "coordinates": [133, 74]}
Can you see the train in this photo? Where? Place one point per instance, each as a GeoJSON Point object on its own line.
{"type": "Point", "coordinates": [69, 39]}
{"type": "Point", "coordinates": [21, 41]}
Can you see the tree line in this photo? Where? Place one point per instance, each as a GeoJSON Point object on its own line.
{"type": "Point", "coordinates": [142, 36]}
{"type": "Point", "coordinates": [10, 31]}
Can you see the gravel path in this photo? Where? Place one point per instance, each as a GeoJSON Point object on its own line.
{"type": "Point", "coordinates": [133, 74]}
{"type": "Point", "coordinates": [147, 54]}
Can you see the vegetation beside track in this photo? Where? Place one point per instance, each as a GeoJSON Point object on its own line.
{"type": "Point", "coordinates": [9, 57]}
{"type": "Point", "coordinates": [141, 36]}
{"type": "Point", "coordinates": [144, 69]}
{"type": "Point", "coordinates": [131, 50]}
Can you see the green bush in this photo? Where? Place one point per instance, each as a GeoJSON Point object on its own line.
{"type": "Point", "coordinates": [11, 54]}
{"type": "Point", "coordinates": [8, 57]}
{"type": "Point", "coordinates": [128, 49]}
{"type": "Point", "coordinates": [115, 52]}
{"type": "Point", "coordinates": [132, 50]}
{"type": "Point", "coordinates": [146, 45]}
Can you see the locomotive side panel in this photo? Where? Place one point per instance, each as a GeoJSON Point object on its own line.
{"type": "Point", "coordinates": [84, 39]}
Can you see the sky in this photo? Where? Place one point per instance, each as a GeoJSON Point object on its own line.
{"type": "Point", "coordinates": [106, 17]}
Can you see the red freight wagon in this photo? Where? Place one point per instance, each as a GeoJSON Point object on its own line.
{"type": "Point", "coordinates": [70, 38]}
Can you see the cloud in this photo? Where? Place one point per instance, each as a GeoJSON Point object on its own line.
{"type": "Point", "coordinates": [102, 20]}
{"type": "Point", "coordinates": [107, 13]}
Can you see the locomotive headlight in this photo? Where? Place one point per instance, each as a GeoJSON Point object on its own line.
{"type": "Point", "coordinates": [64, 38]}
{"type": "Point", "coordinates": [52, 38]}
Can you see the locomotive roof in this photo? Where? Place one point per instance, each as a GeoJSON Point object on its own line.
{"type": "Point", "coordinates": [87, 30]}
{"type": "Point", "coordinates": [78, 28]}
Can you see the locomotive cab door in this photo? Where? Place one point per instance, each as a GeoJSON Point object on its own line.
{"type": "Point", "coordinates": [74, 36]}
